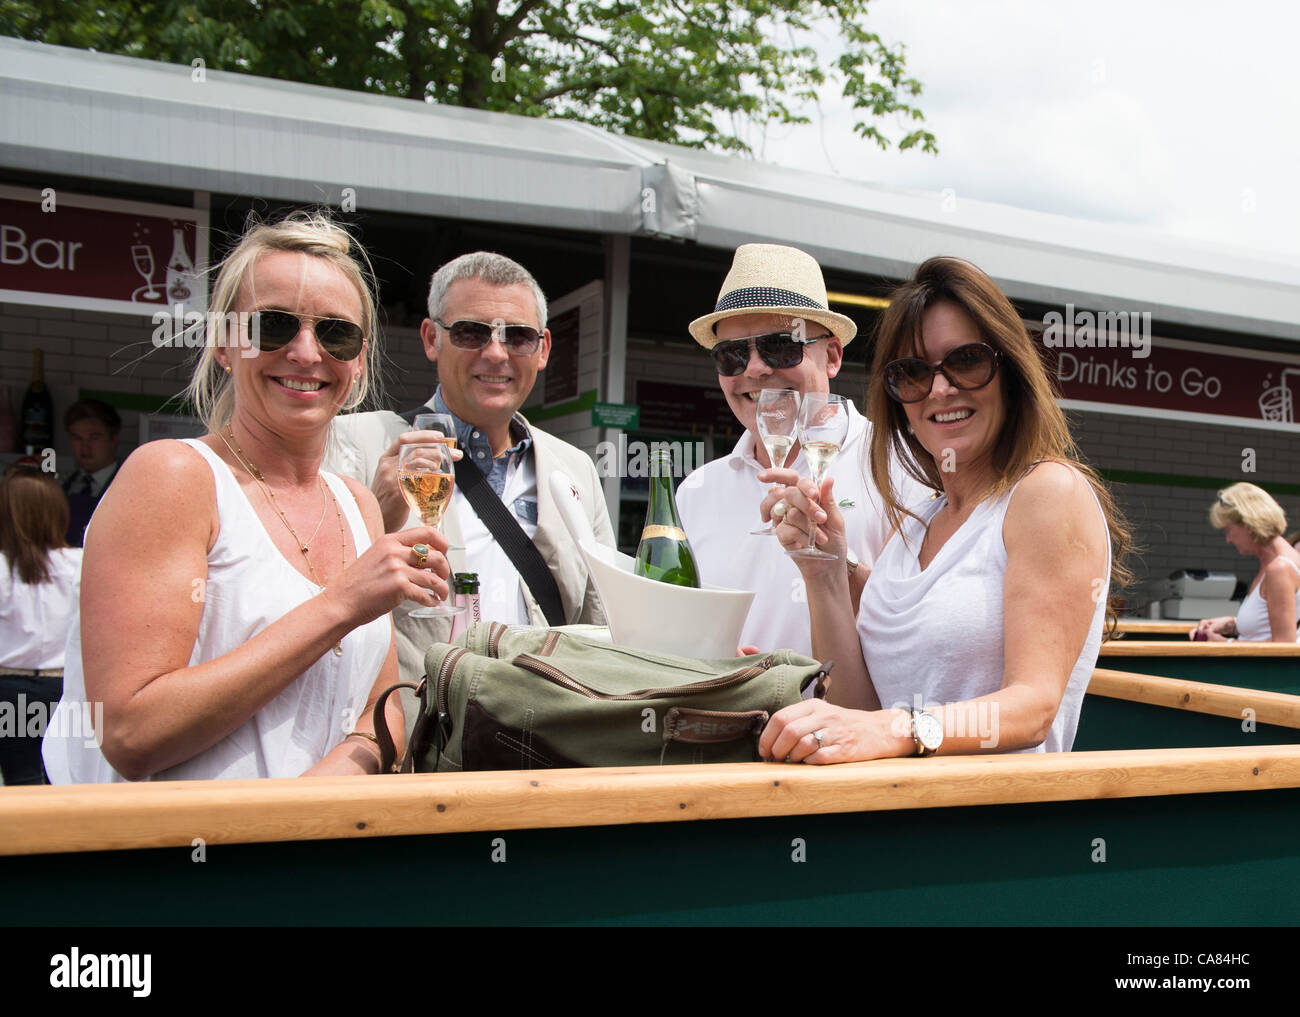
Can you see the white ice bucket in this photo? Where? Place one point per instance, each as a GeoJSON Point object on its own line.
{"type": "Point", "coordinates": [647, 615]}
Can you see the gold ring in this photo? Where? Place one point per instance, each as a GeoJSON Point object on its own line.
{"type": "Point", "coordinates": [422, 553]}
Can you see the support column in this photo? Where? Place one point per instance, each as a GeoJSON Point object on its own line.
{"type": "Point", "coordinates": [618, 261]}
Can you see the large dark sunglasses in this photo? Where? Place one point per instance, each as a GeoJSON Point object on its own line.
{"type": "Point", "coordinates": [779, 350]}
{"type": "Point", "coordinates": [968, 367]}
{"type": "Point", "coordinates": [520, 340]}
{"type": "Point", "coordinates": [273, 330]}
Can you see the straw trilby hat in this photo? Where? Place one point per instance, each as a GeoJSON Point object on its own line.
{"type": "Point", "coordinates": [771, 279]}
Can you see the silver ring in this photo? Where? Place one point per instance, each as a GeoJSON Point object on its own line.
{"type": "Point", "coordinates": [819, 735]}
{"type": "Point", "coordinates": [779, 510]}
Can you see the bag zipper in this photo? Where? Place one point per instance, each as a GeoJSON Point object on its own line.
{"type": "Point", "coordinates": [545, 670]}
{"type": "Point", "coordinates": [444, 679]}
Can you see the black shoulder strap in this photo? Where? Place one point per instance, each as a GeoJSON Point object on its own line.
{"type": "Point", "coordinates": [501, 522]}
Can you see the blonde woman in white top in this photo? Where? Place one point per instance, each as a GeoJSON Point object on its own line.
{"type": "Point", "coordinates": [979, 624]}
{"type": "Point", "coordinates": [1253, 523]}
{"type": "Point", "coordinates": [235, 601]}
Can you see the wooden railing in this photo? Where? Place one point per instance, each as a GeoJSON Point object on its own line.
{"type": "Point", "coordinates": [1187, 648]}
{"type": "Point", "coordinates": [38, 820]}
{"type": "Point", "coordinates": [1276, 708]}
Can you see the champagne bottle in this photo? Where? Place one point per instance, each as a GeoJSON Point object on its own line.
{"type": "Point", "coordinates": [8, 432]}
{"type": "Point", "coordinates": [664, 553]}
{"type": "Point", "coordinates": [38, 409]}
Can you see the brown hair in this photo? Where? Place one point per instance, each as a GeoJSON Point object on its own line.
{"type": "Point", "coordinates": [1034, 428]}
{"type": "Point", "coordinates": [33, 522]}
{"type": "Point", "coordinates": [93, 409]}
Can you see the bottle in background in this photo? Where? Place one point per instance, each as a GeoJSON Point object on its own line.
{"type": "Point", "coordinates": [464, 593]}
{"type": "Point", "coordinates": [8, 428]}
{"type": "Point", "coordinates": [664, 553]}
{"type": "Point", "coordinates": [38, 410]}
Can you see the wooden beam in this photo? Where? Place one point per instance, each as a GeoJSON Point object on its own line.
{"type": "Point", "coordinates": [169, 814]}
{"type": "Point", "coordinates": [1151, 626]}
{"type": "Point", "coordinates": [1178, 648]}
{"type": "Point", "coordinates": [1198, 697]}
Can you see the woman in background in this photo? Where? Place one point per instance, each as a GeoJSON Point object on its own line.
{"type": "Point", "coordinates": [1253, 523]}
{"type": "Point", "coordinates": [39, 578]}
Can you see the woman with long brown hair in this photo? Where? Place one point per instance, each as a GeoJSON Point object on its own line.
{"type": "Point", "coordinates": [980, 623]}
{"type": "Point", "coordinates": [39, 577]}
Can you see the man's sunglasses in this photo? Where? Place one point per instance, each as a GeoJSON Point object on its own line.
{"type": "Point", "coordinates": [274, 330]}
{"type": "Point", "coordinates": [968, 367]}
{"type": "Point", "coordinates": [520, 340]}
{"type": "Point", "coordinates": [778, 350]}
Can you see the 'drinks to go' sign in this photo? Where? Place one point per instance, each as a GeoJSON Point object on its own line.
{"type": "Point", "coordinates": [1111, 360]}
{"type": "Point", "coordinates": [59, 249]}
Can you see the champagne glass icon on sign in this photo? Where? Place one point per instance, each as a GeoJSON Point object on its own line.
{"type": "Point", "coordinates": [142, 259]}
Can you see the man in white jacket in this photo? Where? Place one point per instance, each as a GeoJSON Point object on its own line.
{"type": "Point", "coordinates": [487, 333]}
{"type": "Point", "coordinates": [772, 328]}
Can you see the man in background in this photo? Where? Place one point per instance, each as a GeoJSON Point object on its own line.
{"type": "Point", "coordinates": [94, 430]}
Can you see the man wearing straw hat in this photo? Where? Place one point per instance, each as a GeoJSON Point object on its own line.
{"type": "Point", "coordinates": [772, 328]}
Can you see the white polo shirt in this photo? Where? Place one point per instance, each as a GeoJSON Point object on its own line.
{"type": "Point", "coordinates": [719, 506]}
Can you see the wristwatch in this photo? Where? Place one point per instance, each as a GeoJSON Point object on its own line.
{"type": "Point", "coordinates": [851, 560]}
{"type": "Point", "coordinates": [927, 732]}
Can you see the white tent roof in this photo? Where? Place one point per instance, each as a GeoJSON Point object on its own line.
{"type": "Point", "coordinates": [92, 115]}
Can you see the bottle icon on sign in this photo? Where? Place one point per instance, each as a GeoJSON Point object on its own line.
{"type": "Point", "coordinates": [180, 270]}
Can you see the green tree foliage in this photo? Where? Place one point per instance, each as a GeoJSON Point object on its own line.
{"type": "Point", "coordinates": [666, 70]}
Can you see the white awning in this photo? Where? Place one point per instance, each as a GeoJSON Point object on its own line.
{"type": "Point", "coordinates": [92, 115]}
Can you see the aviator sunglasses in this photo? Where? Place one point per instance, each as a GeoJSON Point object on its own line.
{"type": "Point", "coordinates": [968, 367]}
{"type": "Point", "coordinates": [778, 350]}
{"type": "Point", "coordinates": [274, 330]}
{"type": "Point", "coordinates": [519, 340]}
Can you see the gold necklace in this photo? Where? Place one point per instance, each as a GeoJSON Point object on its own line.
{"type": "Point", "coordinates": [256, 474]}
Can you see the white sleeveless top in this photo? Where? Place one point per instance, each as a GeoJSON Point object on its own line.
{"type": "Point", "coordinates": [250, 585]}
{"type": "Point", "coordinates": [933, 637]}
{"type": "Point", "coordinates": [1252, 616]}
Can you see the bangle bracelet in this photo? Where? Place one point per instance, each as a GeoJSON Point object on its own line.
{"type": "Point", "coordinates": [362, 734]}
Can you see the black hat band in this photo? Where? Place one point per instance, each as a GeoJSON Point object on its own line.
{"type": "Point", "coordinates": [765, 296]}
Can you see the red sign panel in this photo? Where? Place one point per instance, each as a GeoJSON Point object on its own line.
{"type": "Point", "coordinates": [1177, 378]}
{"type": "Point", "coordinates": [67, 250]}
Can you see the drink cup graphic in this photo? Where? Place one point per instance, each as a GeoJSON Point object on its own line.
{"type": "Point", "coordinates": [1277, 403]}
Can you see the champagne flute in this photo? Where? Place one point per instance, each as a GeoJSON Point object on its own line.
{"type": "Point", "coordinates": [425, 475]}
{"type": "Point", "coordinates": [446, 426]}
{"type": "Point", "coordinates": [440, 422]}
{"type": "Point", "coordinates": [823, 427]}
{"type": "Point", "coordinates": [777, 419]}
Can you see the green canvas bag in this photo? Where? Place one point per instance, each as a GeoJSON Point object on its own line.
{"type": "Point", "coordinates": [517, 698]}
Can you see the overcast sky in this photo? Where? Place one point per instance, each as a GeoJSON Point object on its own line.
{"type": "Point", "coordinates": [1179, 117]}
